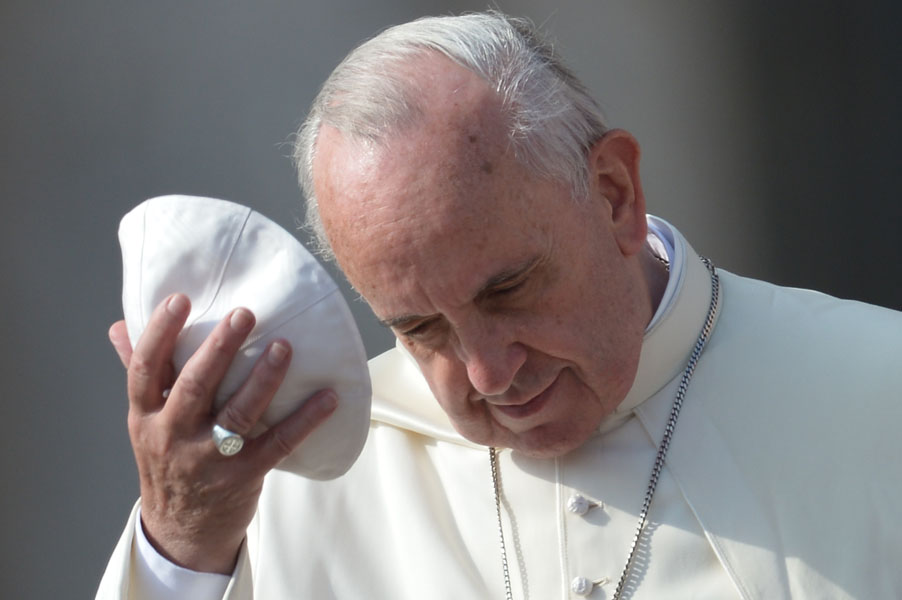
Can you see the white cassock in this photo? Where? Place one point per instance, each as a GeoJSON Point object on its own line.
{"type": "Point", "coordinates": [783, 479]}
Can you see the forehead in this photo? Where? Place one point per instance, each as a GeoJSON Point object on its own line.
{"type": "Point", "coordinates": [456, 120]}
{"type": "Point", "coordinates": [424, 215]}
{"type": "Point", "coordinates": [435, 209]}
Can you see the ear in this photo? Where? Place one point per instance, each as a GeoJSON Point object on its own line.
{"type": "Point", "coordinates": [614, 181]}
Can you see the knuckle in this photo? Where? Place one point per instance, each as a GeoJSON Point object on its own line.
{"type": "Point", "coordinates": [219, 349]}
{"type": "Point", "coordinates": [219, 344]}
{"type": "Point", "coordinates": [193, 387]}
{"type": "Point", "coordinates": [280, 443]}
{"type": "Point", "coordinates": [140, 367]}
{"type": "Point", "coordinates": [135, 424]}
{"type": "Point", "coordinates": [233, 418]}
{"type": "Point", "coordinates": [266, 377]}
{"type": "Point", "coordinates": [152, 444]}
{"type": "Point", "coordinates": [223, 343]}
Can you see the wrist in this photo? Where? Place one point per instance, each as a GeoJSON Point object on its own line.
{"type": "Point", "coordinates": [193, 552]}
{"type": "Point", "coordinates": [156, 577]}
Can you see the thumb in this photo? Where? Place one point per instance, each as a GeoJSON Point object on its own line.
{"type": "Point", "coordinates": [121, 344]}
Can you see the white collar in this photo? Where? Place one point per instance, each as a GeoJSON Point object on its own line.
{"type": "Point", "coordinates": [673, 329]}
{"type": "Point", "coordinates": [401, 396]}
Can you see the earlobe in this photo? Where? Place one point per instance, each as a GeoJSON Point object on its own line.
{"type": "Point", "coordinates": [614, 169]}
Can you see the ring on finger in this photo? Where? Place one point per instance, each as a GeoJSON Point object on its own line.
{"type": "Point", "coordinates": [227, 442]}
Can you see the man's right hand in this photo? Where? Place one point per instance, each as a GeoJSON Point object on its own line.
{"type": "Point", "coordinates": [196, 503]}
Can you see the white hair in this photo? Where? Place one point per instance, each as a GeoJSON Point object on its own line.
{"type": "Point", "coordinates": [552, 119]}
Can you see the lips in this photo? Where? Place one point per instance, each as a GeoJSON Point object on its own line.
{"type": "Point", "coordinates": [528, 408]}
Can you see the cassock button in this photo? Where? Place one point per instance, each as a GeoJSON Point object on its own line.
{"type": "Point", "coordinates": [581, 586]}
{"type": "Point", "coordinates": [578, 505]}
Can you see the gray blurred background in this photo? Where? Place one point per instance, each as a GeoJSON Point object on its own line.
{"type": "Point", "coordinates": [771, 137]}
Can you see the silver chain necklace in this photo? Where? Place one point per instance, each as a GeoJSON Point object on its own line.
{"type": "Point", "coordinates": [659, 459]}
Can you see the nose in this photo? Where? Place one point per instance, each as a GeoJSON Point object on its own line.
{"type": "Point", "coordinates": [491, 355]}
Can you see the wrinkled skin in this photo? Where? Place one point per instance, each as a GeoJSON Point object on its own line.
{"type": "Point", "coordinates": [524, 309]}
{"type": "Point", "coordinates": [195, 503]}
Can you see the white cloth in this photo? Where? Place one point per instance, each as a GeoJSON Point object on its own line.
{"type": "Point", "coordinates": [223, 255]}
{"type": "Point", "coordinates": [780, 483]}
{"type": "Point", "coordinates": [660, 240]}
{"type": "Point", "coordinates": [162, 580]}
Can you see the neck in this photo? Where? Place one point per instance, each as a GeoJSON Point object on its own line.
{"type": "Point", "coordinates": [656, 276]}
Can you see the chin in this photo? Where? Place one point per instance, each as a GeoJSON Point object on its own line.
{"type": "Point", "coordinates": [548, 442]}
{"type": "Point", "coordinates": [547, 451]}
{"type": "Point", "coordinates": [544, 441]}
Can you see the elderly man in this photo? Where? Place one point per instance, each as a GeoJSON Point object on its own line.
{"type": "Point", "coordinates": [618, 418]}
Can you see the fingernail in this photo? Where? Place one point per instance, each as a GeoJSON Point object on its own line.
{"type": "Point", "coordinates": [178, 305]}
{"type": "Point", "coordinates": [241, 320]}
{"type": "Point", "coordinates": [277, 354]}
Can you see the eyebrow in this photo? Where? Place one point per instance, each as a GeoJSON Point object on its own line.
{"type": "Point", "coordinates": [492, 283]}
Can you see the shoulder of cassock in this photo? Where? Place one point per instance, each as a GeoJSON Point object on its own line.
{"type": "Point", "coordinates": [402, 398]}
{"type": "Point", "coordinates": [785, 447]}
{"type": "Point", "coordinates": [786, 443]}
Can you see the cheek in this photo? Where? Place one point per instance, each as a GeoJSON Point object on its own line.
{"type": "Point", "coordinates": [447, 378]}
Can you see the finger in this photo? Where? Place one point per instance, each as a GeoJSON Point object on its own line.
{"type": "Point", "coordinates": [195, 387]}
{"type": "Point", "coordinates": [149, 367]}
{"type": "Point", "coordinates": [281, 440]}
{"type": "Point", "coordinates": [119, 338]}
{"type": "Point", "coordinates": [248, 404]}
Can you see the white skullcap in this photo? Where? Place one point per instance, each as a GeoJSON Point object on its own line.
{"type": "Point", "coordinates": [223, 255]}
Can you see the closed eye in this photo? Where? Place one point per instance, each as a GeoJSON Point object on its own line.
{"type": "Point", "coordinates": [420, 329]}
{"type": "Point", "coordinates": [510, 282]}
{"type": "Point", "coordinates": [508, 289]}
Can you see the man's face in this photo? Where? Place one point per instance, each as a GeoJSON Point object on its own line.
{"type": "Point", "coordinates": [520, 306]}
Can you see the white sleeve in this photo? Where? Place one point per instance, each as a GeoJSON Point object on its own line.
{"type": "Point", "coordinates": [156, 577]}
